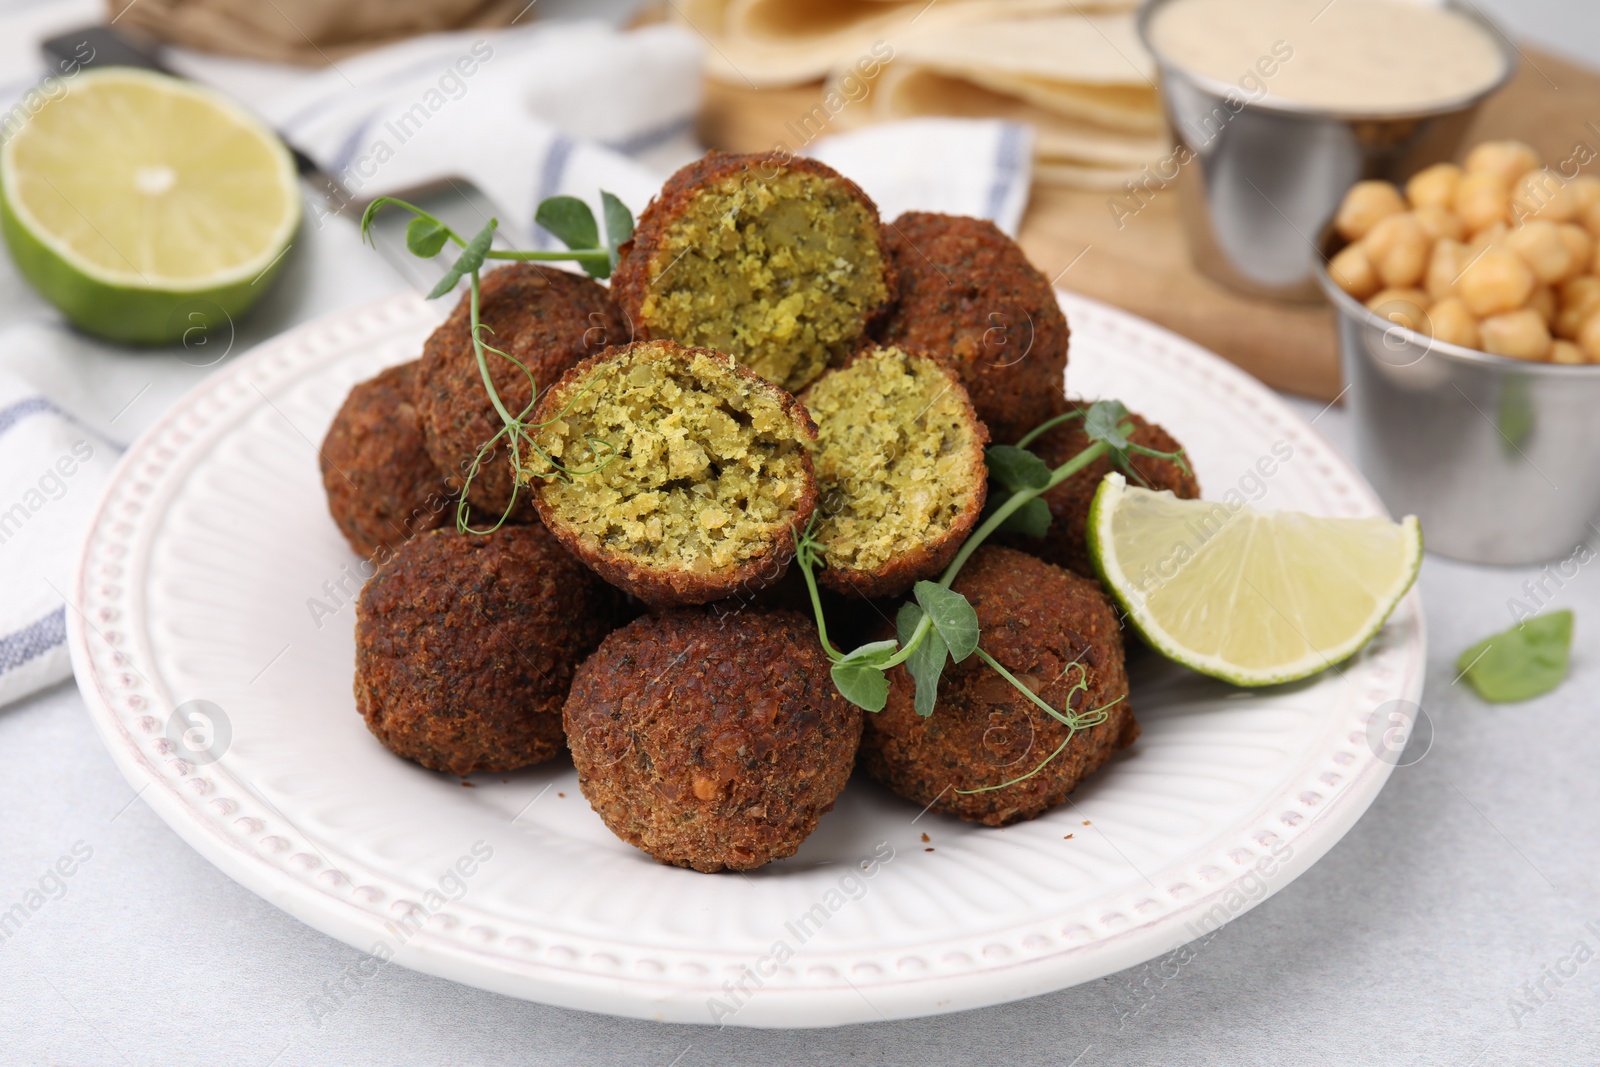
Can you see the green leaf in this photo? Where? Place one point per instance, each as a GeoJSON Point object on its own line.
{"type": "Point", "coordinates": [1104, 423]}
{"type": "Point", "coordinates": [619, 223]}
{"type": "Point", "coordinates": [1526, 661]}
{"type": "Point", "coordinates": [952, 617]}
{"type": "Point", "coordinates": [425, 237]}
{"type": "Point", "coordinates": [862, 685]}
{"type": "Point", "coordinates": [1032, 519]}
{"type": "Point", "coordinates": [873, 654]}
{"type": "Point", "coordinates": [571, 220]}
{"type": "Point", "coordinates": [1017, 468]}
{"type": "Point", "coordinates": [927, 660]}
{"type": "Point", "coordinates": [471, 259]}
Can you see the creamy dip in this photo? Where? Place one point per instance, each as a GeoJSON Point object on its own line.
{"type": "Point", "coordinates": [1368, 56]}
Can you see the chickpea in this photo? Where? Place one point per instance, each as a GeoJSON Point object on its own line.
{"type": "Point", "coordinates": [1566, 352]}
{"type": "Point", "coordinates": [1591, 219]}
{"type": "Point", "coordinates": [1518, 334]}
{"type": "Point", "coordinates": [1497, 281]}
{"type": "Point", "coordinates": [1543, 301]}
{"type": "Point", "coordinates": [1580, 298]}
{"type": "Point", "coordinates": [1581, 245]}
{"type": "Point", "coordinates": [1586, 188]}
{"type": "Point", "coordinates": [1589, 337]}
{"type": "Point", "coordinates": [1352, 271]}
{"type": "Point", "coordinates": [1404, 307]}
{"type": "Point", "coordinates": [1364, 205]}
{"type": "Point", "coordinates": [1481, 200]}
{"type": "Point", "coordinates": [1543, 249]}
{"type": "Point", "coordinates": [1543, 194]}
{"type": "Point", "coordinates": [1398, 247]}
{"type": "Point", "coordinates": [1492, 235]}
{"type": "Point", "coordinates": [1433, 186]}
{"type": "Point", "coordinates": [1444, 268]}
{"type": "Point", "coordinates": [1453, 323]}
{"type": "Point", "coordinates": [1506, 161]}
{"type": "Point", "coordinates": [1439, 223]}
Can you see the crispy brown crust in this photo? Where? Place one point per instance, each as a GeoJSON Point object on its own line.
{"type": "Point", "coordinates": [1036, 620]}
{"type": "Point", "coordinates": [930, 557]}
{"type": "Point", "coordinates": [547, 318]}
{"type": "Point", "coordinates": [382, 488]}
{"type": "Point", "coordinates": [634, 274]}
{"type": "Point", "coordinates": [466, 645]}
{"type": "Point", "coordinates": [1066, 542]}
{"type": "Point", "coordinates": [968, 293]}
{"type": "Point", "coordinates": [710, 743]}
{"type": "Point", "coordinates": [664, 587]}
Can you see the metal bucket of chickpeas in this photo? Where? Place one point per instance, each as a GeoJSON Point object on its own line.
{"type": "Point", "coordinates": [1469, 327]}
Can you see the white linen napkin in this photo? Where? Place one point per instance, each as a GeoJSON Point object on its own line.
{"type": "Point", "coordinates": [52, 470]}
{"type": "Point", "coordinates": [546, 109]}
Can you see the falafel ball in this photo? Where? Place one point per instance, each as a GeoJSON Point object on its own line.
{"type": "Point", "coordinates": [382, 488]}
{"type": "Point", "coordinates": [683, 476]}
{"type": "Point", "coordinates": [780, 264]}
{"type": "Point", "coordinates": [968, 294]}
{"type": "Point", "coordinates": [710, 745]}
{"type": "Point", "coordinates": [1058, 634]}
{"type": "Point", "coordinates": [546, 318]}
{"type": "Point", "coordinates": [901, 479]}
{"type": "Point", "coordinates": [1066, 542]}
{"type": "Point", "coordinates": [466, 645]}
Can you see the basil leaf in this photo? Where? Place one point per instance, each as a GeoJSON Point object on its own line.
{"type": "Point", "coordinates": [927, 660]}
{"type": "Point", "coordinates": [1526, 661]}
{"type": "Point", "coordinates": [571, 220]}
{"type": "Point", "coordinates": [1104, 423]}
{"type": "Point", "coordinates": [425, 238]}
{"type": "Point", "coordinates": [619, 223]}
{"type": "Point", "coordinates": [1032, 519]}
{"type": "Point", "coordinates": [1016, 468]}
{"type": "Point", "coordinates": [952, 616]}
{"type": "Point", "coordinates": [862, 685]}
{"type": "Point", "coordinates": [871, 654]}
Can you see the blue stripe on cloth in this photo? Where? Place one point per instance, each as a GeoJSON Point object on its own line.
{"type": "Point", "coordinates": [14, 414]}
{"type": "Point", "coordinates": [1008, 167]}
{"type": "Point", "coordinates": [33, 640]}
{"type": "Point", "coordinates": [555, 165]}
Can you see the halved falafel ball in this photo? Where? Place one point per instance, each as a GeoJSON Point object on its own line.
{"type": "Point", "coordinates": [968, 294]}
{"type": "Point", "coordinates": [546, 318]}
{"type": "Point", "coordinates": [1059, 635]}
{"type": "Point", "coordinates": [1065, 543]}
{"type": "Point", "coordinates": [901, 479]}
{"type": "Point", "coordinates": [710, 745]}
{"type": "Point", "coordinates": [778, 264]}
{"type": "Point", "coordinates": [683, 476]}
{"type": "Point", "coordinates": [466, 645]}
{"type": "Point", "coordinates": [382, 487]}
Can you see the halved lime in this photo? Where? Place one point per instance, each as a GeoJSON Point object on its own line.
{"type": "Point", "coordinates": [1251, 597]}
{"type": "Point", "coordinates": [135, 199]}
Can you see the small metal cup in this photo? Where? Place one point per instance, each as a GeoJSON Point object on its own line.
{"type": "Point", "coordinates": [1499, 458]}
{"type": "Point", "coordinates": [1265, 175]}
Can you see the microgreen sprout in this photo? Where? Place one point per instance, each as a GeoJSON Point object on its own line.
{"type": "Point", "coordinates": [573, 222]}
{"type": "Point", "coordinates": [938, 625]}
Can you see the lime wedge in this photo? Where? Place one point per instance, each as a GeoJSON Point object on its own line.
{"type": "Point", "coordinates": [134, 200]}
{"type": "Point", "coordinates": [1251, 597]}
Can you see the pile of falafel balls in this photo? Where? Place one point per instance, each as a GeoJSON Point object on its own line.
{"type": "Point", "coordinates": [769, 356]}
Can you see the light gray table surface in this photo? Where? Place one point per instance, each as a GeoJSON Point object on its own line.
{"type": "Point", "coordinates": [1452, 925]}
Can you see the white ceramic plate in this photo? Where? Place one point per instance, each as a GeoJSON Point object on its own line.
{"type": "Point", "coordinates": [198, 582]}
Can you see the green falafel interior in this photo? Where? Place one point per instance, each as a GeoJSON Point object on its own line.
{"type": "Point", "coordinates": [709, 467]}
{"type": "Point", "coordinates": [899, 457]}
{"type": "Point", "coordinates": [779, 272]}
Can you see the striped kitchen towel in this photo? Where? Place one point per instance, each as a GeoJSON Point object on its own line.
{"type": "Point", "coordinates": [52, 470]}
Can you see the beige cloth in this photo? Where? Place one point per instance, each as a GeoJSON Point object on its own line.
{"type": "Point", "coordinates": [307, 32]}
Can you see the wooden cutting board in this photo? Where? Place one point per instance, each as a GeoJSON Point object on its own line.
{"type": "Point", "coordinates": [1144, 267]}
